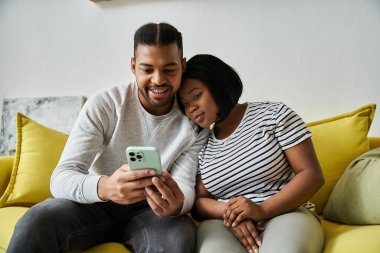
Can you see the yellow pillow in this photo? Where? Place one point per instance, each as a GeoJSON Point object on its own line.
{"type": "Point", "coordinates": [38, 150]}
{"type": "Point", "coordinates": [338, 141]}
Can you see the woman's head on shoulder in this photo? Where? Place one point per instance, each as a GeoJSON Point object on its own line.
{"type": "Point", "coordinates": [210, 89]}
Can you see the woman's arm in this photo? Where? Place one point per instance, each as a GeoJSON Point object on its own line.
{"type": "Point", "coordinates": [205, 205]}
{"type": "Point", "coordinates": [307, 180]}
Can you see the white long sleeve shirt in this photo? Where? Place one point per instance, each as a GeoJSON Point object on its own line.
{"type": "Point", "coordinates": [109, 122]}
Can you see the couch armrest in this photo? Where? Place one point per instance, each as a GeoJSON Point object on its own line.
{"type": "Point", "coordinates": [6, 165]}
{"type": "Point", "coordinates": [374, 142]}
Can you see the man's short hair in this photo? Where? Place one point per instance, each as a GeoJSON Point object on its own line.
{"type": "Point", "coordinates": [161, 34]}
{"type": "Point", "coordinates": [221, 79]}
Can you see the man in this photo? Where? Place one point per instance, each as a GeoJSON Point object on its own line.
{"type": "Point", "coordinates": [97, 197]}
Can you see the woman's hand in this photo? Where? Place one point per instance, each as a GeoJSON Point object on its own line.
{"type": "Point", "coordinates": [248, 234]}
{"type": "Point", "coordinates": [241, 208]}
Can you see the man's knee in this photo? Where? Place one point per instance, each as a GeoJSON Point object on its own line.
{"type": "Point", "coordinates": [43, 215]}
{"type": "Point", "coordinates": [180, 237]}
{"type": "Point", "coordinates": [35, 229]}
{"type": "Point", "coordinates": [184, 232]}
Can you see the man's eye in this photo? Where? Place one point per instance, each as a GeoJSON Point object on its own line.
{"type": "Point", "coordinates": [170, 70]}
{"type": "Point", "coordinates": [147, 70]}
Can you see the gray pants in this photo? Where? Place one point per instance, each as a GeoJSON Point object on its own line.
{"type": "Point", "coordinates": [59, 225]}
{"type": "Point", "coordinates": [295, 232]}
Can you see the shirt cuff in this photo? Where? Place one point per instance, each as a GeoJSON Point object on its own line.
{"type": "Point", "coordinates": [90, 189]}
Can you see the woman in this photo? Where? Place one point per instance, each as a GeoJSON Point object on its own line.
{"type": "Point", "coordinates": [257, 170]}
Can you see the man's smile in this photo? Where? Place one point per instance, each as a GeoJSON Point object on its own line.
{"type": "Point", "coordinates": [158, 92]}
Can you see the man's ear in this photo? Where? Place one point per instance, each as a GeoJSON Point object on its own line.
{"type": "Point", "coordinates": [183, 64]}
{"type": "Point", "coordinates": [133, 65]}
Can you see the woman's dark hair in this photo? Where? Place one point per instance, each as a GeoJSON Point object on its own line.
{"type": "Point", "coordinates": [158, 34]}
{"type": "Point", "coordinates": [221, 79]}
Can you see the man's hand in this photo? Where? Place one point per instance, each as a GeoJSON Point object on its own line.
{"type": "Point", "coordinates": [248, 234]}
{"type": "Point", "coordinates": [166, 198]}
{"type": "Point", "coordinates": [125, 186]}
{"type": "Point", "coordinates": [241, 208]}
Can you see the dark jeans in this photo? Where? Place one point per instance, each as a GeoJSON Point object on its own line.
{"type": "Point", "coordinates": [60, 225]}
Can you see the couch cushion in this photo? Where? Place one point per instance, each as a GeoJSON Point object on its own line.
{"type": "Point", "coordinates": [350, 239]}
{"type": "Point", "coordinates": [6, 164]}
{"type": "Point", "coordinates": [38, 150]}
{"type": "Point", "coordinates": [355, 197]}
{"type": "Point", "coordinates": [108, 247]}
{"type": "Point", "coordinates": [338, 141]}
{"type": "Point", "coordinates": [8, 219]}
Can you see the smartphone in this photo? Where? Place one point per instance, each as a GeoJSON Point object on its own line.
{"type": "Point", "coordinates": [144, 158]}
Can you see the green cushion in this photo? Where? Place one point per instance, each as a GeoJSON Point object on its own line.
{"type": "Point", "coordinates": [355, 198]}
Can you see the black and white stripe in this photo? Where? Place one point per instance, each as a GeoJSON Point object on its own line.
{"type": "Point", "coordinates": [251, 161]}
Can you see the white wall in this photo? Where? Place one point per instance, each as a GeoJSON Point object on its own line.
{"type": "Point", "coordinates": [321, 57]}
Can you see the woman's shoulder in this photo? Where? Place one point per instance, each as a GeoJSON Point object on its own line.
{"type": "Point", "coordinates": [268, 108]}
{"type": "Point", "coordinates": [265, 105]}
{"type": "Point", "coordinates": [264, 108]}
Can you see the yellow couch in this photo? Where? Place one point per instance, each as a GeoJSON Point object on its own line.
{"type": "Point", "coordinates": [337, 140]}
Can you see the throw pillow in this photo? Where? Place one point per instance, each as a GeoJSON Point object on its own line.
{"type": "Point", "coordinates": [355, 198]}
{"type": "Point", "coordinates": [38, 150]}
{"type": "Point", "coordinates": [338, 141]}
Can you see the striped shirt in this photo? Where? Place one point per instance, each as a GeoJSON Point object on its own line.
{"type": "Point", "coordinates": [251, 162]}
